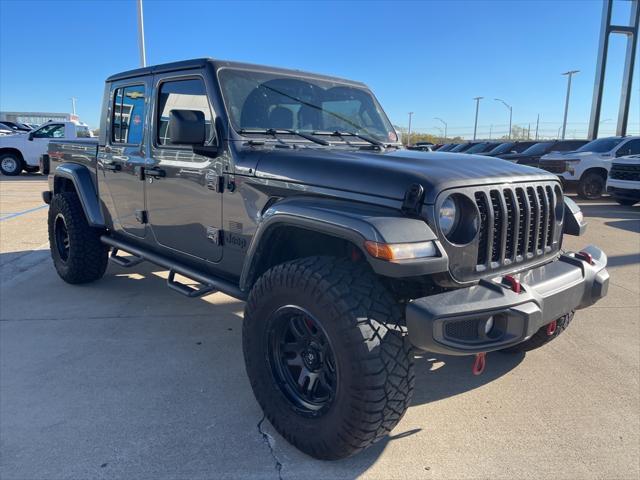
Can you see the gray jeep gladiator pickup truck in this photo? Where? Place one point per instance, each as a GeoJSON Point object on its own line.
{"type": "Point", "coordinates": [291, 191]}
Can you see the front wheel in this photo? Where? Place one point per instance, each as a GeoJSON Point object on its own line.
{"type": "Point", "coordinates": [591, 186]}
{"type": "Point", "coordinates": [10, 164]}
{"type": "Point", "coordinates": [327, 356]}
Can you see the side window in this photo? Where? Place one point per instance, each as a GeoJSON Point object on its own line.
{"type": "Point", "coordinates": [632, 147]}
{"type": "Point", "coordinates": [55, 130]}
{"type": "Point", "coordinates": [181, 95]}
{"type": "Point", "coordinates": [127, 118]}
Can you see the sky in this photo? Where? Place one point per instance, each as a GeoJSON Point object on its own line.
{"type": "Point", "coordinates": [429, 57]}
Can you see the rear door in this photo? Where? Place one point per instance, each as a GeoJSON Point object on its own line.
{"type": "Point", "coordinates": [124, 154]}
{"type": "Point", "coordinates": [184, 197]}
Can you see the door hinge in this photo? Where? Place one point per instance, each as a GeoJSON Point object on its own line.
{"type": "Point", "coordinates": [142, 216]}
{"type": "Point", "coordinates": [215, 182]}
{"type": "Point", "coordinates": [215, 235]}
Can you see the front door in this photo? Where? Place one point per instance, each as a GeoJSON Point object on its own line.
{"type": "Point", "coordinates": [39, 142]}
{"type": "Point", "coordinates": [123, 155]}
{"type": "Point", "coordinates": [182, 188]}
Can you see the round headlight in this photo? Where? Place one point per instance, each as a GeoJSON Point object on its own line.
{"type": "Point", "coordinates": [448, 216]}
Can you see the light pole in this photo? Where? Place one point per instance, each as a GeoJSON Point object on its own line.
{"type": "Point", "coordinates": [510, 112]}
{"type": "Point", "coordinates": [409, 131]}
{"type": "Point", "coordinates": [445, 127]}
{"type": "Point", "coordinates": [440, 130]}
{"type": "Point", "coordinates": [73, 105]}
{"type": "Point", "coordinates": [475, 125]}
{"type": "Point", "coordinates": [143, 55]}
{"type": "Point", "coordinates": [569, 75]}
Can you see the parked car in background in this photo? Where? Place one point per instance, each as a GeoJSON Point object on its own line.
{"type": "Point", "coordinates": [463, 147]}
{"type": "Point", "coordinates": [22, 152]}
{"type": "Point", "coordinates": [423, 146]}
{"type": "Point", "coordinates": [624, 180]}
{"type": "Point", "coordinates": [531, 156]}
{"type": "Point", "coordinates": [6, 130]}
{"type": "Point", "coordinates": [447, 146]}
{"type": "Point", "coordinates": [509, 147]}
{"type": "Point", "coordinates": [482, 147]}
{"type": "Point", "coordinates": [16, 127]}
{"type": "Point", "coordinates": [588, 166]}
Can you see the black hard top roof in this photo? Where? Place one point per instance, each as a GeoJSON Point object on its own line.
{"type": "Point", "coordinates": [216, 64]}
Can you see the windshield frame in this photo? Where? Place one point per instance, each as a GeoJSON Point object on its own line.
{"type": "Point", "coordinates": [304, 76]}
{"type": "Point", "coordinates": [547, 143]}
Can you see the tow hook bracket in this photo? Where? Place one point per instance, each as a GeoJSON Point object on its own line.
{"type": "Point", "coordinates": [479, 363]}
{"type": "Point", "coordinates": [551, 328]}
{"type": "Point", "coordinates": [513, 283]}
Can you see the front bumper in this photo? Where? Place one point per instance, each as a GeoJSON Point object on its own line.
{"type": "Point", "coordinates": [454, 322]}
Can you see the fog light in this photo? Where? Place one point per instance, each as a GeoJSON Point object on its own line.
{"type": "Point", "coordinates": [488, 325]}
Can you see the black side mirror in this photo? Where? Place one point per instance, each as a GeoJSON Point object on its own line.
{"type": "Point", "coordinates": [30, 137]}
{"type": "Point", "coordinates": [186, 127]}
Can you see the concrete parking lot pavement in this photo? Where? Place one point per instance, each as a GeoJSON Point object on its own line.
{"type": "Point", "coordinates": [126, 379]}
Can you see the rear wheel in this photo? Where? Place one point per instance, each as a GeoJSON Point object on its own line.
{"type": "Point", "coordinates": [591, 186]}
{"type": "Point", "coordinates": [543, 336]}
{"type": "Point", "coordinates": [78, 254]}
{"type": "Point", "coordinates": [10, 164]}
{"type": "Point", "coordinates": [327, 356]}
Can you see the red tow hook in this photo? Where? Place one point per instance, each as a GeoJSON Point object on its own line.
{"type": "Point", "coordinates": [585, 256]}
{"type": "Point", "coordinates": [551, 328]}
{"type": "Point", "coordinates": [479, 363]}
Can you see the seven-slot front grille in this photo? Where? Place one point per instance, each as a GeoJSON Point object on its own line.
{"type": "Point", "coordinates": [517, 223]}
{"type": "Point", "coordinates": [622, 171]}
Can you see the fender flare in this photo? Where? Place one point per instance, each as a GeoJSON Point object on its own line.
{"type": "Point", "coordinates": [80, 176]}
{"type": "Point", "coordinates": [355, 223]}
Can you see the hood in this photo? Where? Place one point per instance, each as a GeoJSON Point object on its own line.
{"type": "Point", "coordinates": [389, 174]}
{"type": "Point", "coordinates": [567, 155]}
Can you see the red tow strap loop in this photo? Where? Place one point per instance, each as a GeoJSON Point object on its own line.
{"type": "Point", "coordinates": [585, 256]}
{"type": "Point", "coordinates": [479, 363]}
{"type": "Point", "coordinates": [552, 327]}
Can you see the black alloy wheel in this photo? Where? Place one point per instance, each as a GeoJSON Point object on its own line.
{"type": "Point", "coordinates": [302, 360]}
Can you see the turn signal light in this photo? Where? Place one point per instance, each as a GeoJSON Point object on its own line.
{"type": "Point", "coordinates": [400, 251]}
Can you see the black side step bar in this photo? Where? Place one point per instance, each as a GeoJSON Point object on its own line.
{"type": "Point", "coordinates": [208, 282]}
{"type": "Point", "coordinates": [124, 261]}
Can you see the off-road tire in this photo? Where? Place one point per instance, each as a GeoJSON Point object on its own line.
{"type": "Point", "coordinates": [541, 338]}
{"type": "Point", "coordinates": [373, 356]}
{"type": "Point", "coordinates": [591, 186]}
{"type": "Point", "coordinates": [626, 202]}
{"type": "Point", "coordinates": [87, 256]}
{"type": "Point", "coordinates": [13, 158]}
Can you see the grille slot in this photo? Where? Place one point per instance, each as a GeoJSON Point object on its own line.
{"type": "Point", "coordinates": [516, 224]}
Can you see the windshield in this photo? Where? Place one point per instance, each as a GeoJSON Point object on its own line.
{"type": "Point", "coordinates": [263, 101]}
{"type": "Point", "coordinates": [502, 148]}
{"type": "Point", "coordinates": [600, 145]}
{"type": "Point", "coordinates": [538, 148]}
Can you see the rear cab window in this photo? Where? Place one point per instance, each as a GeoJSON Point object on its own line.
{"type": "Point", "coordinates": [127, 116]}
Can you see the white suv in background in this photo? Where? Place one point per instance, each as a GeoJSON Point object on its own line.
{"type": "Point", "coordinates": [624, 180]}
{"type": "Point", "coordinates": [22, 151]}
{"type": "Point", "coordinates": [589, 166]}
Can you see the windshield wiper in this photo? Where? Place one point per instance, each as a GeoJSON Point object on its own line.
{"type": "Point", "coordinates": [274, 132]}
{"type": "Point", "coordinates": [366, 138]}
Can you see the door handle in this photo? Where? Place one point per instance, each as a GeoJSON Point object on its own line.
{"type": "Point", "coordinates": [113, 167]}
{"type": "Point", "coordinates": [154, 172]}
